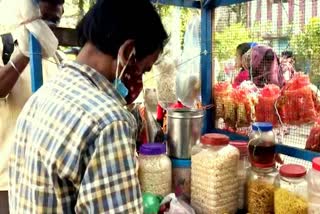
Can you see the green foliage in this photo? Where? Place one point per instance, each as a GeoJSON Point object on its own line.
{"type": "Point", "coordinates": [306, 47]}
{"type": "Point", "coordinates": [226, 41]}
{"type": "Point", "coordinates": [307, 44]}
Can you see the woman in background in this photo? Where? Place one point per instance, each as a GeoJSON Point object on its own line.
{"type": "Point", "coordinates": [243, 74]}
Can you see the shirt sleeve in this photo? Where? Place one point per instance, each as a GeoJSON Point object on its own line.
{"type": "Point", "coordinates": [110, 183]}
{"type": "Point", "coordinates": [1, 52]}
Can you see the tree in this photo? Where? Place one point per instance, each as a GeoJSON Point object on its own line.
{"type": "Point", "coordinates": [306, 47]}
{"type": "Point", "coordinates": [227, 40]}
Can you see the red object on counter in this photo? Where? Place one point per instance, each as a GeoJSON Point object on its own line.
{"type": "Point", "coordinates": [161, 111]}
{"type": "Point", "coordinates": [292, 170]}
{"type": "Point", "coordinates": [215, 139]}
{"type": "Point", "coordinates": [177, 105]}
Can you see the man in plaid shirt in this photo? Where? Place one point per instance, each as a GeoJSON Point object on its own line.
{"type": "Point", "coordinates": [74, 149]}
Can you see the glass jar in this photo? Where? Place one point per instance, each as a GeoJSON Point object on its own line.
{"type": "Point", "coordinates": [262, 145]}
{"type": "Point", "coordinates": [243, 166]}
{"type": "Point", "coordinates": [314, 187]}
{"type": "Point", "coordinates": [181, 178]}
{"type": "Point", "coordinates": [291, 193]}
{"type": "Point", "coordinates": [260, 190]}
{"type": "Point", "coordinates": [154, 169]}
{"type": "Point", "coordinates": [214, 175]}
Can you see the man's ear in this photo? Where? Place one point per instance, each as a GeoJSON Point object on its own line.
{"type": "Point", "coordinates": [125, 50]}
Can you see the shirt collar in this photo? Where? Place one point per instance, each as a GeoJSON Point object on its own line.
{"type": "Point", "coordinates": [101, 82]}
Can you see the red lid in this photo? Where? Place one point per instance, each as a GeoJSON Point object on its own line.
{"type": "Point", "coordinates": [242, 146]}
{"type": "Point", "coordinates": [292, 170]}
{"type": "Point", "coordinates": [215, 139]}
{"type": "Point", "coordinates": [316, 163]}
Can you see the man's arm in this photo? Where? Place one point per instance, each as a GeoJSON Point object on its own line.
{"type": "Point", "coordinates": [110, 182]}
{"type": "Point", "coordinates": [8, 74]}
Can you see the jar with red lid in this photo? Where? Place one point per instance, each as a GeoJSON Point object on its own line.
{"type": "Point", "coordinates": [314, 187]}
{"type": "Point", "coordinates": [214, 175]}
{"type": "Point", "coordinates": [290, 195]}
{"type": "Point", "coordinates": [243, 166]}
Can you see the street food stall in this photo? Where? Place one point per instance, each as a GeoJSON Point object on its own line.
{"type": "Point", "coordinates": [250, 163]}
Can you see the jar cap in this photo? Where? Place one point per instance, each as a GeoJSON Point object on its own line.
{"type": "Point", "coordinates": [262, 126]}
{"type": "Point", "coordinates": [181, 163]}
{"type": "Point", "coordinates": [316, 163]}
{"type": "Point", "coordinates": [152, 149]}
{"type": "Point", "coordinates": [292, 170]}
{"type": "Point", "coordinates": [215, 139]}
{"type": "Point", "coordinates": [242, 146]}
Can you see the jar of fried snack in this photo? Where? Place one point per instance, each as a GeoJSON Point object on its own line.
{"type": "Point", "coordinates": [314, 187]}
{"type": "Point", "coordinates": [214, 175]}
{"type": "Point", "coordinates": [291, 193]}
{"type": "Point", "coordinates": [260, 190]}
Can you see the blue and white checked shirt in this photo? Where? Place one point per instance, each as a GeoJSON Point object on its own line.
{"type": "Point", "coordinates": [74, 149]}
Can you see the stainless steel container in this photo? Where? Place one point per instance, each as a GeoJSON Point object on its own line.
{"type": "Point", "coordinates": [184, 131]}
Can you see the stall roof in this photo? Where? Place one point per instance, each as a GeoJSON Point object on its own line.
{"type": "Point", "coordinates": [217, 3]}
{"type": "Point", "coordinates": [197, 4]}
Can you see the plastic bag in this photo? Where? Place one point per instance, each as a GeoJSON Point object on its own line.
{"type": "Point", "coordinates": [265, 109]}
{"type": "Point", "coordinates": [154, 130]}
{"type": "Point", "coordinates": [313, 141]}
{"type": "Point", "coordinates": [25, 15]}
{"type": "Point", "coordinates": [188, 76]}
{"type": "Point", "coordinates": [176, 206]}
{"type": "Point", "coordinates": [165, 74]}
{"type": "Point", "coordinates": [296, 105]}
{"type": "Point", "coordinates": [221, 91]}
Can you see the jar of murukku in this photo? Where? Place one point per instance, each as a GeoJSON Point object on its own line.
{"type": "Point", "coordinates": [291, 190]}
{"type": "Point", "coordinates": [260, 189]}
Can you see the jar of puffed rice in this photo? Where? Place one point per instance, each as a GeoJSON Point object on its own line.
{"type": "Point", "coordinates": [214, 177]}
{"type": "Point", "coordinates": [155, 169]}
{"type": "Point", "coordinates": [243, 167]}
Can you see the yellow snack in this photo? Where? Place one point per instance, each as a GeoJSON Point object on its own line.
{"type": "Point", "coordinates": [287, 202]}
{"type": "Point", "coordinates": [260, 197]}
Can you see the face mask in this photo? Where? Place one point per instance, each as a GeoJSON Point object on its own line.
{"type": "Point", "coordinates": [118, 84]}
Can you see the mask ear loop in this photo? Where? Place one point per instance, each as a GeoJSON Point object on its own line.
{"type": "Point", "coordinates": [125, 66]}
{"type": "Point", "coordinates": [117, 72]}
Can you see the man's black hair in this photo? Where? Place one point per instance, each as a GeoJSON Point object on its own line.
{"type": "Point", "coordinates": [287, 54]}
{"type": "Point", "coordinates": [109, 23]}
{"type": "Point", "coordinates": [55, 2]}
{"type": "Point", "coordinates": [243, 48]}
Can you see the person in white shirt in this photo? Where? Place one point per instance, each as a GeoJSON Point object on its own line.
{"type": "Point", "coordinates": [15, 87]}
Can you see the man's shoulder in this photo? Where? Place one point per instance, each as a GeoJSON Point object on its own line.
{"type": "Point", "coordinates": [76, 93]}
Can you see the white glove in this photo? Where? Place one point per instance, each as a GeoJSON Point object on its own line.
{"type": "Point", "coordinates": [29, 14]}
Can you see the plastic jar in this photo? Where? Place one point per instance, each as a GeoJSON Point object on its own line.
{"type": "Point", "coordinates": [291, 193]}
{"type": "Point", "coordinates": [260, 190]}
{"type": "Point", "coordinates": [314, 187]}
{"type": "Point", "coordinates": [262, 145]}
{"type": "Point", "coordinates": [181, 178]}
{"type": "Point", "coordinates": [214, 175]}
{"type": "Point", "coordinates": [154, 169]}
{"type": "Point", "coordinates": [243, 166]}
